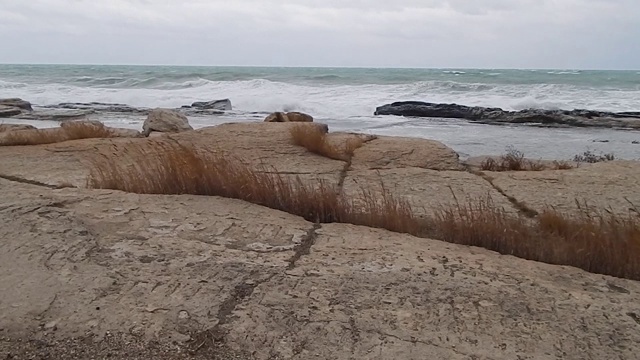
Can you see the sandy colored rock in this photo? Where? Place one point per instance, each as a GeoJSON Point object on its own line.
{"type": "Point", "coordinates": [192, 272]}
{"type": "Point", "coordinates": [426, 190]}
{"type": "Point", "coordinates": [611, 185]}
{"type": "Point", "coordinates": [387, 152]}
{"type": "Point", "coordinates": [370, 294]}
{"type": "Point", "coordinates": [15, 127]}
{"type": "Point", "coordinates": [165, 120]}
{"type": "Point", "coordinates": [292, 116]}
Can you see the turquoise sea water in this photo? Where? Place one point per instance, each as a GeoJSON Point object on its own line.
{"type": "Point", "coordinates": [346, 98]}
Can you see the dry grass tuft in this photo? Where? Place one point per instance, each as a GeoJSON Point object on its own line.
{"type": "Point", "coordinates": [314, 139]}
{"type": "Point", "coordinates": [171, 168]}
{"type": "Point", "coordinates": [513, 160]}
{"type": "Point", "coordinates": [607, 244]}
{"type": "Point", "coordinates": [562, 165]}
{"type": "Point", "coordinates": [71, 131]}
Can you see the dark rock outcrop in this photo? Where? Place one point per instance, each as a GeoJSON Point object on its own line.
{"type": "Point", "coordinates": [224, 104]}
{"type": "Point", "coordinates": [551, 118]}
{"type": "Point", "coordinates": [8, 111]}
{"type": "Point", "coordinates": [16, 102]}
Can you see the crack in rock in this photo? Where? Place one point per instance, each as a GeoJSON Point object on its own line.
{"type": "Point", "coordinates": [520, 206]}
{"type": "Point", "coordinates": [305, 246]}
{"type": "Point", "coordinates": [216, 335]}
{"type": "Point", "coordinates": [30, 182]}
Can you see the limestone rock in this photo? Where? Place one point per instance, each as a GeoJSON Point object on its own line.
{"type": "Point", "coordinates": [288, 117]}
{"type": "Point", "coordinates": [15, 127]}
{"type": "Point", "coordinates": [165, 120]}
{"type": "Point", "coordinates": [16, 102]}
{"type": "Point", "coordinates": [385, 152]}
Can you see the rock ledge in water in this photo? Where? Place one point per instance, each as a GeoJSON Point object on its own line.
{"type": "Point", "coordinates": [551, 118]}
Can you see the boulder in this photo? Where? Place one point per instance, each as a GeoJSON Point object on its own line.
{"type": "Point", "coordinates": [165, 120]}
{"type": "Point", "coordinates": [15, 127]}
{"type": "Point", "coordinates": [288, 117]}
{"type": "Point", "coordinates": [15, 102]}
{"type": "Point", "coordinates": [8, 111]}
{"type": "Point", "coordinates": [551, 118]}
{"type": "Point", "coordinates": [224, 104]}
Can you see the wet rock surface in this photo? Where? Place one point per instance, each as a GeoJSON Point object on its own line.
{"type": "Point", "coordinates": [551, 118]}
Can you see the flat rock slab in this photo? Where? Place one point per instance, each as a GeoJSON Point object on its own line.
{"type": "Point", "coordinates": [191, 269]}
{"type": "Point", "coordinates": [89, 262]}
{"type": "Point", "coordinates": [609, 185]}
{"type": "Point", "coordinates": [370, 294]}
{"type": "Point", "coordinates": [426, 190]}
{"type": "Point", "coordinates": [386, 152]}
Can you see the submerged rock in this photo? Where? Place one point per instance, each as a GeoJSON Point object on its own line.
{"type": "Point", "coordinates": [288, 117]}
{"type": "Point", "coordinates": [578, 117]}
{"type": "Point", "coordinates": [224, 104]}
{"type": "Point", "coordinates": [165, 120]}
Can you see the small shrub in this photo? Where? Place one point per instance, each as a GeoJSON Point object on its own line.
{"type": "Point", "coordinates": [513, 160]}
{"type": "Point", "coordinates": [562, 165]}
{"type": "Point", "coordinates": [592, 158]}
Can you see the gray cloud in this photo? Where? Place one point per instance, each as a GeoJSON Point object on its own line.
{"type": "Point", "coordinates": [411, 33]}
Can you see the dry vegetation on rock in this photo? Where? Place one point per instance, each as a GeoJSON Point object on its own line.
{"type": "Point", "coordinates": [71, 131]}
{"type": "Point", "coordinates": [314, 139]}
{"type": "Point", "coordinates": [513, 160]}
{"type": "Point", "coordinates": [601, 243]}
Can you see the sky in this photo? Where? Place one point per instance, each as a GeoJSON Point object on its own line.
{"type": "Point", "coordinates": [559, 34]}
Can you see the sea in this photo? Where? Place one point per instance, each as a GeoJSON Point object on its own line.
{"type": "Point", "coordinates": [346, 99]}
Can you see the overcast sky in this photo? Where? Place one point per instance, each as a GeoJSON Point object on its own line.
{"type": "Point", "coordinates": [583, 34]}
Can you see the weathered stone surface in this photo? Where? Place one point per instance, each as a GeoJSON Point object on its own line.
{"type": "Point", "coordinates": [613, 185]}
{"type": "Point", "coordinates": [16, 102]}
{"type": "Point", "coordinates": [165, 120]}
{"type": "Point", "coordinates": [288, 117]}
{"type": "Point", "coordinates": [15, 127]}
{"type": "Point", "coordinates": [175, 268]}
{"type": "Point", "coordinates": [107, 261]}
{"type": "Point", "coordinates": [166, 268]}
{"type": "Point", "coordinates": [9, 111]}
{"type": "Point", "coordinates": [370, 294]}
{"type": "Point", "coordinates": [385, 152]}
{"type": "Point", "coordinates": [224, 104]}
{"type": "Point", "coordinates": [426, 190]}
{"type": "Point", "coordinates": [578, 117]}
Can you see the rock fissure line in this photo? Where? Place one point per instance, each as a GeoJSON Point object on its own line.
{"type": "Point", "coordinates": [29, 182]}
{"type": "Point", "coordinates": [520, 206]}
{"type": "Point", "coordinates": [305, 245]}
{"type": "Point", "coordinates": [217, 334]}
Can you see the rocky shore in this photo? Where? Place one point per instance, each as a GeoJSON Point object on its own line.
{"type": "Point", "coordinates": [497, 116]}
{"type": "Point", "coordinates": [23, 110]}
{"type": "Point", "coordinates": [104, 273]}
